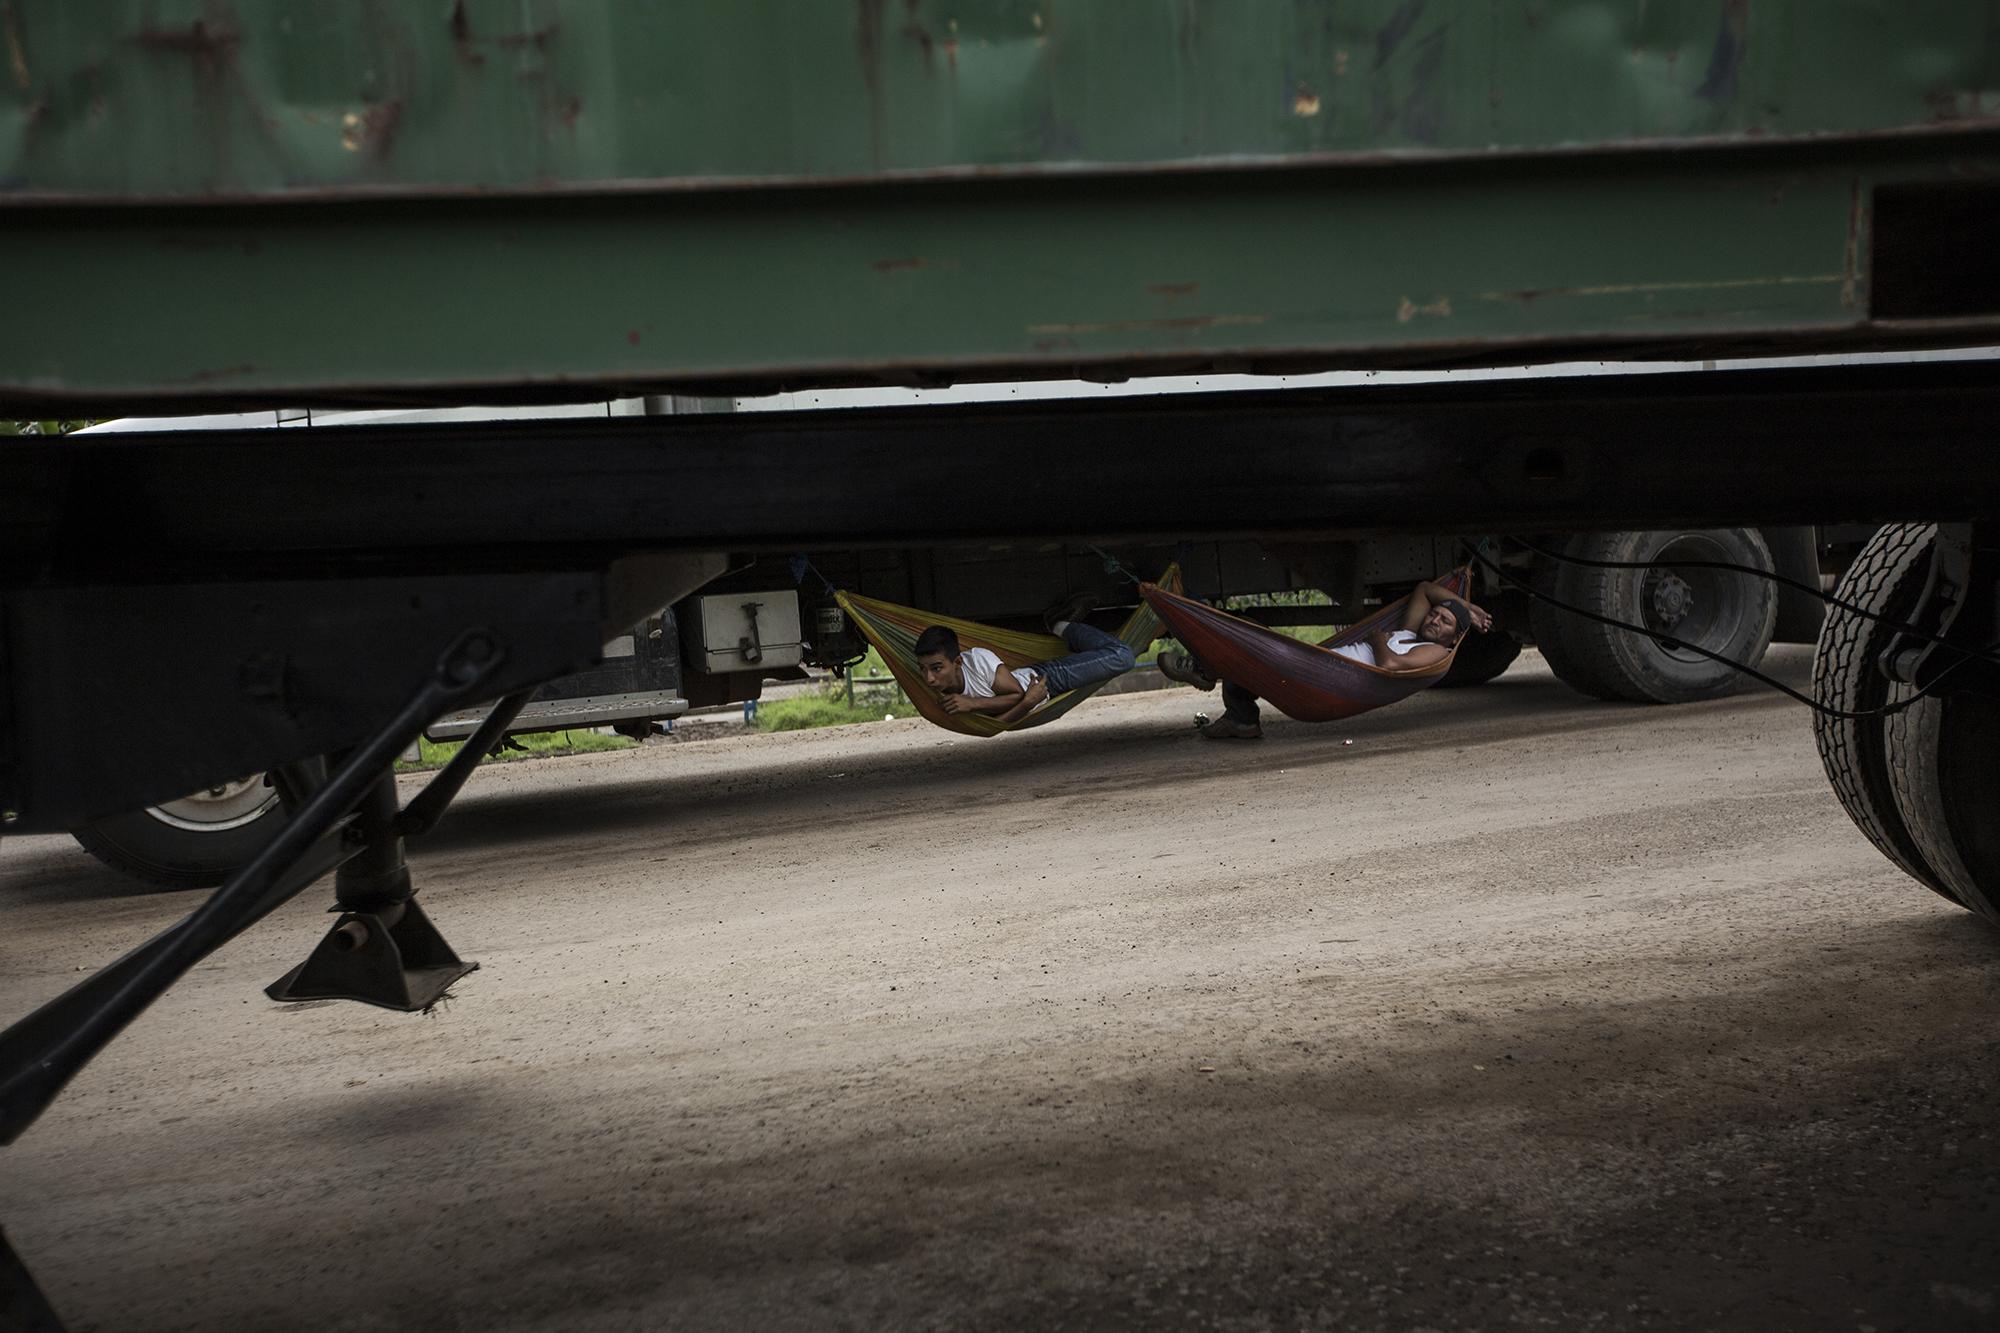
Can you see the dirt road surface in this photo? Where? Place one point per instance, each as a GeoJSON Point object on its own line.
{"type": "Point", "coordinates": [1519, 1011]}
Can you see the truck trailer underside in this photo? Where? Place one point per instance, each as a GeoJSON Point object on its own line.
{"type": "Point", "coordinates": [557, 202]}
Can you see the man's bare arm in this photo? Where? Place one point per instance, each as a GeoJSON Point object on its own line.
{"type": "Point", "coordinates": [1420, 656]}
{"type": "Point", "coordinates": [1428, 594]}
{"type": "Point", "coordinates": [973, 703]}
{"type": "Point", "coordinates": [1006, 696]}
{"type": "Point", "coordinates": [1026, 702]}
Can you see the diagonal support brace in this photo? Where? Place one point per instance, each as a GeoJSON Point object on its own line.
{"type": "Point", "coordinates": [41, 1053]}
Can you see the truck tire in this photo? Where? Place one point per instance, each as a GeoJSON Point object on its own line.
{"type": "Point", "coordinates": [1550, 626]}
{"type": "Point", "coordinates": [1795, 555]}
{"type": "Point", "coordinates": [1729, 614]}
{"type": "Point", "coordinates": [193, 843]}
{"type": "Point", "coordinates": [1884, 580]}
{"type": "Point", "coordinates": [1480, 658]}
{"type": "Point", "coordinates": [1946, 782]}
{"type": "Point", "coordinates": [1942, 767]}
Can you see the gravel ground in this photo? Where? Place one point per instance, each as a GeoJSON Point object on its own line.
{"type": "Point", "coordinates": [1520, 1010]}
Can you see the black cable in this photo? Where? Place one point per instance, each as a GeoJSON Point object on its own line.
{"type": "Point", "coordinates": [1838, 714]}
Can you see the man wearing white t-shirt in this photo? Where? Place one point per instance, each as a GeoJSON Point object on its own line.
{"type": "Point", "coordinates": [974, 680]}
{"type": "Point", "coordinates": [1435, 621]}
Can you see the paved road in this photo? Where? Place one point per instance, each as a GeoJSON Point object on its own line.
{"type": "Point", "coordinates": [1519, 1010]}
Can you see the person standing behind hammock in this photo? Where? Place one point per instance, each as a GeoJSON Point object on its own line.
{"type": "Point", "coordinates": [974, 680]}
{"type": "Point", "coordinates": [1434, 622]}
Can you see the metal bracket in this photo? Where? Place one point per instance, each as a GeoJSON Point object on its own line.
{"type": "Point", "coordinates": [1956, 615]}
{"type": "Point", "coordinates": [752, 645]}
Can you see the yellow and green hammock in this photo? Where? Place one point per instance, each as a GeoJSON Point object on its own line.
{"type": "Point", "coordinates": [894, 629]}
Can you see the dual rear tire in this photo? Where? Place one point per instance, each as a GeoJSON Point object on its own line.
{"type": "Point", "coordinates": [1920, 783]}
{"type": "Point", "coordinates": [1731, 615]}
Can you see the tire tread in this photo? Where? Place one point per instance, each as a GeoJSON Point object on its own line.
{"type": "Point", "coordinates": [1886, 579]}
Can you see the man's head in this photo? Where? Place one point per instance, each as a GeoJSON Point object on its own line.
{"type": "Point", "coordinates": [1445, 623]}
{"type": "Point", "coordinates": [937, 658]}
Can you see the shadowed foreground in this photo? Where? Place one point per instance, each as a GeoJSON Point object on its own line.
{"type": "Point", "coordinates": [1521, 1009]}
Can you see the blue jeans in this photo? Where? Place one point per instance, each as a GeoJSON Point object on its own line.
{"type": "Point", "coordinates": [1094, 656]}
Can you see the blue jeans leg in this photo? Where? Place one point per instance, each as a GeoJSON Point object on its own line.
{"type": "Point", "coordinates": [1094, 657]}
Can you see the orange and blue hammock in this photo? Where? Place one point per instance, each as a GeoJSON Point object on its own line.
{"type": "Point", "coordinates": [894, 629]}
{"type": "Point", "coordinates": [1302, 680]}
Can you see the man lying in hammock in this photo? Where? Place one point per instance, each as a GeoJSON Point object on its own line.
{"type": "Point", "coordinates": [1435, 621]}
{"type": "Point", "coordinates": [975, 680]}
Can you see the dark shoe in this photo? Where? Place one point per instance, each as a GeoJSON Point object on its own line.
{"type": "Point", "coordinates": [1181, 667]}
{"type": "Point", "coordinates": [1229, 729]}
{"type": "Point", "coordinates": [1076, 606]}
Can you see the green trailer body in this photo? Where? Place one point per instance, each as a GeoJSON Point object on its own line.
{"type": "Point", "coordinates": [283, 201]}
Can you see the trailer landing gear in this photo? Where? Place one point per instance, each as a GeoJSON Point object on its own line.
{"type": "Point", "coordinates": [383, 950]}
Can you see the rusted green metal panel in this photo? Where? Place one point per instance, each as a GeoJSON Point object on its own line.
{"type": "Point", "coordinates": [199, 97]}
{"type": "Point", "coordinates": [273, 200]}
{"type": "Point", "coordinates": [599, 291]}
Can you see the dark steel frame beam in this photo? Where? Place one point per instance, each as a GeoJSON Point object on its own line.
{"type": "Point", "coordinates": [127, 695]}
{"type": "Point", "coordinates": [1855, 443]}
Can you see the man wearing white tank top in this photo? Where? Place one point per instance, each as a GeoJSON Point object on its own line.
{"type": "Point", "coordinates": [974, 680]}
{"type": "Point", "coordinates": [1435, 621]}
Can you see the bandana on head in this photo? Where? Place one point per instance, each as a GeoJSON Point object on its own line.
{"type": "Point", "coordinates": [1461, 618]}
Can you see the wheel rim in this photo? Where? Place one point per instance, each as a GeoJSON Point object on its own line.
{"type": "Point", "coordinates": [226, 805]}
{"type": "Point", "coordinates": [1694, 606]}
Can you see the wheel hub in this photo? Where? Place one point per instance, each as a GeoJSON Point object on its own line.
{"type": "Point", "coordinates": [226, 805]}
{"type": "Point", "coordinates": [1673, 599]}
